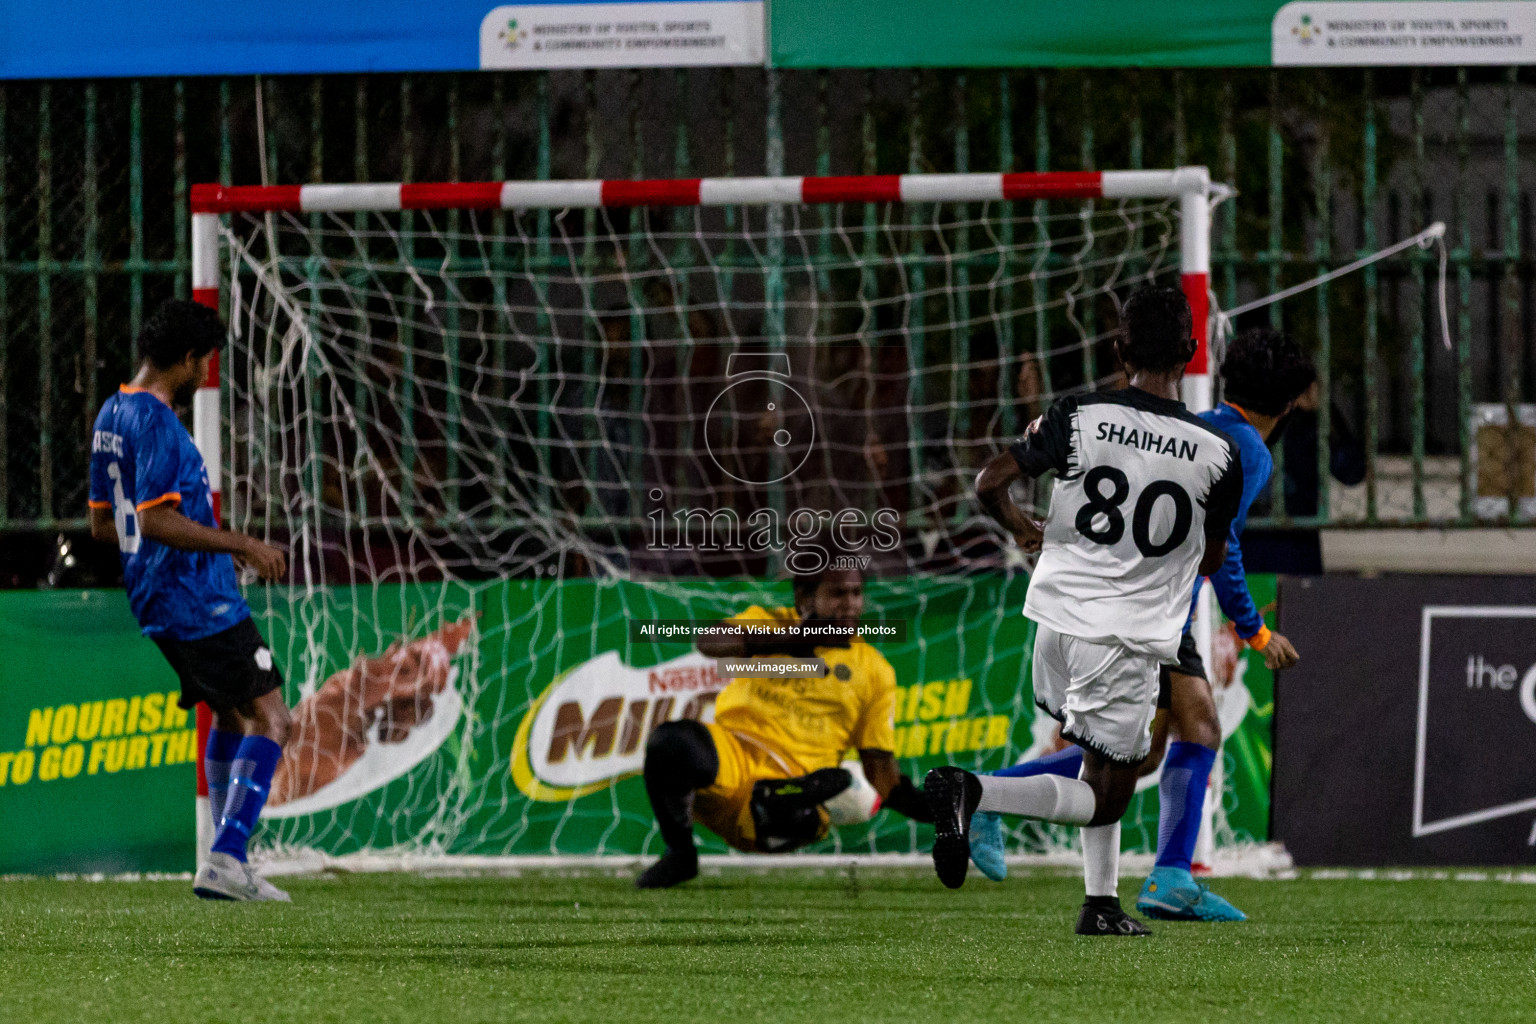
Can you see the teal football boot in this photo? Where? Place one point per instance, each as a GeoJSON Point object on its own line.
{"type": "Point", "coordinates": [1211, 907]}
{"type": "Point", "coordinates": [1172, 894]}
{"type": "Point", "coordinates": [987, 845]}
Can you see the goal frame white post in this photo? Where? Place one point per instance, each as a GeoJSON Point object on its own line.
{"type": "Point", "coordinates": [1191, 186]}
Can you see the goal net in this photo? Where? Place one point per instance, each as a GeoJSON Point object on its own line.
{"type": "Point", "coordinates": [500, 427]}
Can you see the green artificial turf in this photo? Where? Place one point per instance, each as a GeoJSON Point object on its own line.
{"type": "Point", "coordinates": [888, 945]}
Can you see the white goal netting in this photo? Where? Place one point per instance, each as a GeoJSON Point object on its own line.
{"type": "Point", "coordinates": [492, 440]}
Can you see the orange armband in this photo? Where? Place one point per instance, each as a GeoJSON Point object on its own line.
{"type": "Point", "coordinates": [1259, 640]}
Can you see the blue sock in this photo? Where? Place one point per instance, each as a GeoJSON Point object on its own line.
{"type": "Point", "coordinates": [221, 750]}
{"type": "Point", "coordinates": [1068, 762]}
{"type": "Point", "coordinates": [249, 778]}
{"type": "Point", "coordinates": [1181, 796]}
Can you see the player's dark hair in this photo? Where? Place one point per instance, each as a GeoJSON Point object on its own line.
{"type": "Point", "coordinates": [1263, 371]}
{"type": "Point", "coordinates": [805, 583]}
{"type": "Point", "coordinates": [179, 328]}
{"type": "Point", "coordinates": [1156, 327]}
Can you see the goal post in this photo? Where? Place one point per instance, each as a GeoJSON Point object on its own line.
{"type": "Point", "coordinates": [206, 433]}
{"type": "Point", "coordinates": [372, 391]}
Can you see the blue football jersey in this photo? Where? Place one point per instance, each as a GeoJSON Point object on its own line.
{"type": "Point", "coordinates": [1231, 580]}
{"type": "Point", "coordinates": [142, 456]}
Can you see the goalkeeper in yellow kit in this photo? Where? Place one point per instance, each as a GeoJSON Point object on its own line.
{"type": "Point", "coordinates": [758, 775]}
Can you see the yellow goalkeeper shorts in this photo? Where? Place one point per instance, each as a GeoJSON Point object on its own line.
{"type": "Point", "coordinates": [725, 808]}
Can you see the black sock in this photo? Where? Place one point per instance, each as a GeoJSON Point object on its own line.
{"type": "Point", "coordinates": [680, 758]}
{"type": "Point", "coordinates": [1103, 902]}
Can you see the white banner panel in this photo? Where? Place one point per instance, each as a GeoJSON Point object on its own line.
{"type": "Point", "coordinates": [1404, 33]}
{"type": "Point", "coordinates": [682, 33]}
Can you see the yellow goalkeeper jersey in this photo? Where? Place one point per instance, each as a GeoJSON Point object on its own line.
{"type": "Point", "coordinates": [811, 722]}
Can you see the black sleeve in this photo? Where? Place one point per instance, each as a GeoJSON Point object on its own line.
{"type": "Point", "coordinates": [1050, 447]}
{"type": "Point", "coordinates": [1226, 497]}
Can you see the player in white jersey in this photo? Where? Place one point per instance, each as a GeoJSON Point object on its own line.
{"type": "Point", "coordinates": [1144, 494]}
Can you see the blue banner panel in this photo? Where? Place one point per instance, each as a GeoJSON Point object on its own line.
{"type": "Point", "coordinates": [110, 38]}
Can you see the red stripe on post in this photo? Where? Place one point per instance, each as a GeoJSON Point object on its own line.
{"type": "Point", "coordinates": [245, 198]}
{"type": "Point", "coordinates": [204, 726]}
{"type": "Point", "coordinates": [1054, 185]}
{"type": "Point", "coordinates": [868, 188]}
{"type": "Point", "coordinates": [1197, 291]}
{"type": "Point", "coordinates": [206, 297]}
{"type": "Point", "coordinates": [679, 192]}
{"type": "Point", "coordinates": [455, 195]}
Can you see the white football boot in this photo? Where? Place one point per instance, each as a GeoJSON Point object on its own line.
{"type": "Point", "coordinates": [222, 877]}
{"type": "Point", "coordinates": [266, 890]}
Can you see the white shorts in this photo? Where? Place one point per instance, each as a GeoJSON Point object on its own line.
{"type": "Point", "coordinates": [1104, 695]}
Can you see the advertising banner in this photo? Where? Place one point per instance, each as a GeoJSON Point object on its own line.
{"type": "Point", "coordinates": [1406, 739]}
{"type": "Point", "coordinates": [97, 763]}
{"type": "Point", "coordinates": [1109, 33]}
{"type": "Point", "coordinates": [181, 37]}
{"type": "Point", "coordinates": [1346, 33]}
{"type": "Point", "coordinates": [506, 718]}
{"type": "Point", "coordinates": [107, 38]}
{"type": "Point", "coordinates": [526, 734]}
{"type": "Point", "coordinates": [682, 33]}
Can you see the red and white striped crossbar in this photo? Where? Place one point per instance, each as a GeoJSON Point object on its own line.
{"type": "Point", "coordinates": [519, 195]}
{"type": "Point", "coordinates": [1191, 185]}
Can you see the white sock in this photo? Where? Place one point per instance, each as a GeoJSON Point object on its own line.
{"type": "Point", "coordinates": [1047, 797]}
{"type": "Point", "coordinates": [1101, 859]}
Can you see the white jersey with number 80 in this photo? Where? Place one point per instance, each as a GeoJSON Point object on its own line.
{"type": "Point", "coordinates": [1141, 483]}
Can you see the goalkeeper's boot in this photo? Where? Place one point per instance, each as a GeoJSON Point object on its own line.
{"type": "Point", "coordinates": [987, 845]}
{"type": "Point", "coordinates": [1102, 915]}
{"type": "Point", "coordinates": [222, 877]}
{"type": "Point", "coordinates": [675, 867]}
{"type": "Point", "coordinates": [953, 794]}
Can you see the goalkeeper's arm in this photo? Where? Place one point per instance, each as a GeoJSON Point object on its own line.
{"type": "Point", "coordinates": [896, 790]}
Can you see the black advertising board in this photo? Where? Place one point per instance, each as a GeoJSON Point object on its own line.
{"type": "Point", "coordinates": [1407, 733]}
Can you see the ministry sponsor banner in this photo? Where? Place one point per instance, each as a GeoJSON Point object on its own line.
{"type": "Point", "coordinates": [97, 762]}
{"type": "Point", "coordinates": [689, 33]}
{"type": "Point", "coordinates": [1406, 739]}
{"type": "Point", "coordinates": [1333, 33]}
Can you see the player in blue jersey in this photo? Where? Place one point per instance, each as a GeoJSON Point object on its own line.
{"type": "Point", "coordinates": [150, 496]}
{"type": "Point", "coordinates": [1263, 374]}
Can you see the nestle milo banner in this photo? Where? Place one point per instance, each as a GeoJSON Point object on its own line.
{"type": "Point", "coordinates": [506, 718]}
{"type": "Point", "coordinates": [97, 763]}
